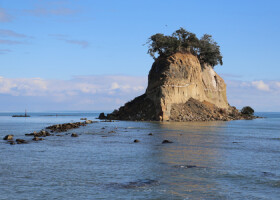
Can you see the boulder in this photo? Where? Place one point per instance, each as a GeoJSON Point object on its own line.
{"type": "Point", "coordinates": [42, 133]}
{"type": "Point", "coordinates": [74, 135]}
{"type": "Point", "coordinates": [136, 141]}
{"type": "Point", "coordinates": [8, 137]}
{"type": "Point", "coordinates": [88, 121]}
{"type": "Point", "coordinates": [37, 139]}
{"type": "Point", "coordinates": [102, 116]}
{"type": "Point", "coordinates": [21, 141]}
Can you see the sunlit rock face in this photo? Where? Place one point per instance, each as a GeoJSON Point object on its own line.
{"type": "Point", "coordinates": [176, 79]}
{"type": "Point", "coordinates": [180, 88]}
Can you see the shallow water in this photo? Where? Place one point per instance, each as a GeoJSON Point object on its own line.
{"type": "Point", "coordinates": [207, 160]}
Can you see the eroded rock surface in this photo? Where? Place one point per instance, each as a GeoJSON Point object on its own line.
{"type": "Point", "coordinates": [180, 88]}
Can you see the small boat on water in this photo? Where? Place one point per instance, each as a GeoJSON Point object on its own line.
{"type": "Point", "coordinates": [25, 115]}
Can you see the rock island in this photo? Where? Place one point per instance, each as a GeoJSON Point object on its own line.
{"type": "Point", "coordinates": [182, 83]}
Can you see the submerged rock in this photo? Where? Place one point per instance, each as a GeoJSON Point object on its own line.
{"type": "Point", "coordinates": [21, 141]}
{"type": "Point", "coordinates": [37, 139]}
{"type": "Point", "coordinates": [112, 132]}
{"type": "Point", "coordinates": [187, 166]}
{"type": "Point", "coordinates": [166, 141]}
{"type": "Point", "coordinates": [142, 183]}
{"type": "Point", "coordinates": [74, 135]}
{"type": "Point", "coordinates": [191, 166]}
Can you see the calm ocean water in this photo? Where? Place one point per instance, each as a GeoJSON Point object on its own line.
{"type": "Point", "coordinates": [209, 160]}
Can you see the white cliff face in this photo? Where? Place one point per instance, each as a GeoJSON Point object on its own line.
{"type": "Point", "coordinates": [209, 71]}
{"type": "Point", "coordinates": [181, 77]}
{"type": "Point", "coordinates": [214, 87]}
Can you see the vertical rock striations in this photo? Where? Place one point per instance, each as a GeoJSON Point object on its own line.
{"type": "Point", "coordinates": [180, 88]}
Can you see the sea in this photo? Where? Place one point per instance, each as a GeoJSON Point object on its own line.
{"type": "Point", "coordinates": [207, 160]}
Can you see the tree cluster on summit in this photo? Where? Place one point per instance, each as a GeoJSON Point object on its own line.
{"type": "Point", "coordinates": [205, 48]}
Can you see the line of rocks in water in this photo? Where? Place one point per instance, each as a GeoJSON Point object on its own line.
{"type": "Point", "coordinates": [67, 126]}
{"type": "Point", "coordinates": [58, 128]}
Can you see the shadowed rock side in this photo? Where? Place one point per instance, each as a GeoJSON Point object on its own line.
{"type": "Point", "coordinates": [141, 108]}
{"type": "Point", "coordinates": [180, 88]}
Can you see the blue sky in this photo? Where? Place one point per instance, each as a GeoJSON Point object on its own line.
{"type": "Point", "coordinates": [89, 55]}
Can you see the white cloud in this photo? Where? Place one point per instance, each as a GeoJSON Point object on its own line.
{"type": "Point", "coordinates": [10, 33]}
{"type": "Point", "coordinates": [9, 42]}
{"type": "Point", "coordinates": [82, 43]}
{"type": "Point", "coordinates": [260, 85]}
{"type": "Point", "coordinates": [277, 84]}
{"type": "Point", "coordinates": [261, 95]}
{"type": "Point", "coordinates": [63, 37]}
{"type": "Point", "coordinates": [4, 51]}
{"type": "Point", "coordinates": [115, 86]}
{"type": "Point", "coordinates": [51, 10]}
{"type": "Point", "coordinates": [97, 92]}
{"type": "Point", "coordinates": [4, 16]}
{"type": "Point", "coordinates": [111, 92]}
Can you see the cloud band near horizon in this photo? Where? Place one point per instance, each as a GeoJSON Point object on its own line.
{"type": "Point", "coordinates": [110, 92]}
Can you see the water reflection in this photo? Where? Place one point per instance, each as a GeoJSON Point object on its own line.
{"type": "Point", "coordinates": [192, 158]}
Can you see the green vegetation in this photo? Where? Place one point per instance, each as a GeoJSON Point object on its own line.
{"type": "Point", "coordinates": [206, 49]}
{"type": "Point", "coordinates": [247, 110]}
